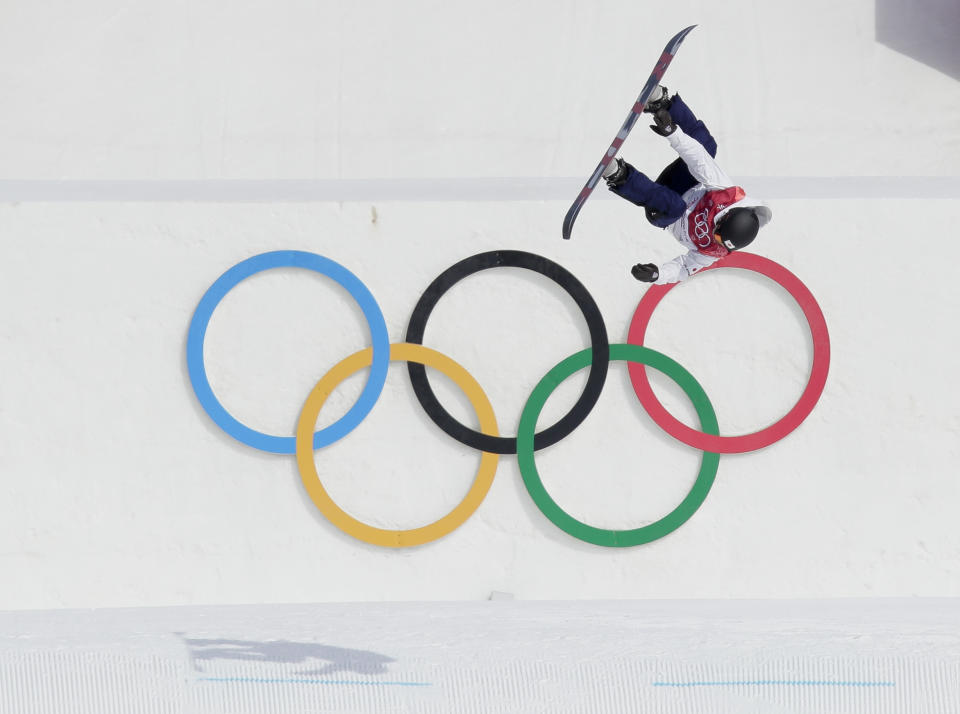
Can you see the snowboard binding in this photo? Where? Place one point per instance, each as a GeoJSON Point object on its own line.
{"type": "Point", "coordinates": [660, 99]}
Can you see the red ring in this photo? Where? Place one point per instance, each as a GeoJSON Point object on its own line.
{"type": "Point", "coordinates": [758, 439]}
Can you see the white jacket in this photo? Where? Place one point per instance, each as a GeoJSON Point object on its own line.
{"type": "Point", "coordinates": [711, 177]}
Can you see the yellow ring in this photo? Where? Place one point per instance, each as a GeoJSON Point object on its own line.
{"type": "Point", "coordinates": [341, 519]}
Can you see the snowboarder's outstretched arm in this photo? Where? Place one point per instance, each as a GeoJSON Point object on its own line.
{"type": "Point", "coordinates": [702, 166]}
{"type": "Point", "coordinates": [683, 266]}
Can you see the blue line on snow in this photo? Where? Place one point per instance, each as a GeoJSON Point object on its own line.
{"type": "Point", "coordinates": [265, 680]}
{"type": "Point", "coordinates": [775, 682]}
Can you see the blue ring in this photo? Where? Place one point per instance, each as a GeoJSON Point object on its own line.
{"type": "Point", "coordinates": [283, 259]}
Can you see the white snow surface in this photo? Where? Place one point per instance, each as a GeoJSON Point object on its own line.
{"type": "Point", "coordinates": [146, 148]}
{"type": "Point", "coordinates": [684, 657]}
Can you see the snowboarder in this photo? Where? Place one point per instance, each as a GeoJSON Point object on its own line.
{"type": "Point", "coordinates": [692, 197]}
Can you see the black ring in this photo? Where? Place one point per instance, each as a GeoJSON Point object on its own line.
{"type": "Point", "coordinates": [573, 287]}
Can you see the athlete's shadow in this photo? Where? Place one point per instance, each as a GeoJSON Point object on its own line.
{"type": "Point", "coordinates": [326, 659]}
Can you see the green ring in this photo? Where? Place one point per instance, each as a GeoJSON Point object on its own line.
{"type": "Point", "coordinates": [601, 536]}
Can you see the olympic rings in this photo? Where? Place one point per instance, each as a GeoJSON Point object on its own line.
{"type": "Point", "coordinates": [487, 440]}
{"type": "Point", "coordinates": [281, 259]}
{"type": "Point", "coordinates": [600, 536]}
{"type": "Point", "coordinates": [764, 437]}
{"type": "Point", "coordinates": [573, 287]}
{"type": "Point", "coordinates": [347, 523]}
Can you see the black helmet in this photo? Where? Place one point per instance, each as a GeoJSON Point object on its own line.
{"type": "Point", "coordinates": [738, 228]}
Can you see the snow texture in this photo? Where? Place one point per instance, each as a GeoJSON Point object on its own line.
{"type": "Point", "coordinates": [147, 148]}
{"type": "Point", "coordinates": [784, 657]}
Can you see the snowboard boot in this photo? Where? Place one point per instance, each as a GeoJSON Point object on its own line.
{"type": "Point", "coordinates": [660, 99]}
{"type": "Point", "coordinates": [616, 172]}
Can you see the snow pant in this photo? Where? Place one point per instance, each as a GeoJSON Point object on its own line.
{"type": "Point", "coordinates": [663, 199]}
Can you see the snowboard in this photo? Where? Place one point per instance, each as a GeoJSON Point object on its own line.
{"type": "Point", "coordinates": [655, 76]}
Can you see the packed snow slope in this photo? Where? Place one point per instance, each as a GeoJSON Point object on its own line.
{"type": "Point", "coordinates": [145, 150]}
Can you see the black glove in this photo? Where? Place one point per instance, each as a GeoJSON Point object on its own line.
{"type": "Point", "coordinates": [646, 272]}
{"type": "Point", "coordinates": [663, 123]}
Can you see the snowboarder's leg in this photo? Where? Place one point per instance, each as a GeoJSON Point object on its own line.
{"type": "Point", "coordinates": [663, 205]}
{"type": "Point", "coordinates": [676, 176]}
{"type": "Point", "coordinates": [684, 118]}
